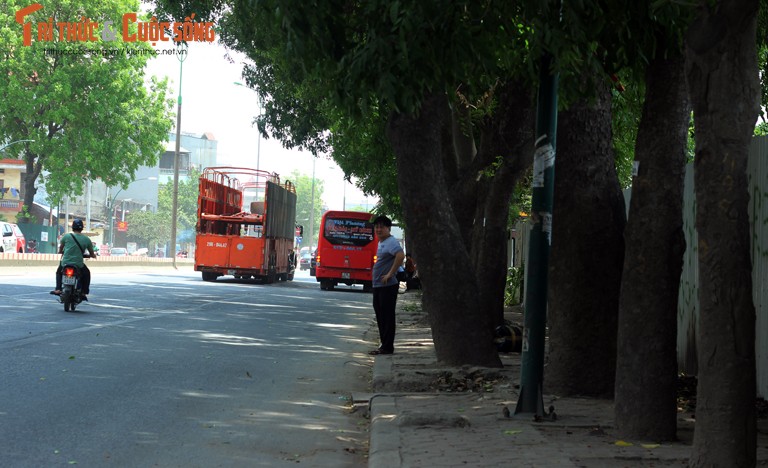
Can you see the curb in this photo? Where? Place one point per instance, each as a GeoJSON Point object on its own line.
{"type": "Point", "coordinates": [384, 449]}
{"type": "Point", "coordinates": [382, 373]}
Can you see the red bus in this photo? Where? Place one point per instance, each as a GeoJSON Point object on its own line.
{"type": "Point", "coordinates": [346, 250]}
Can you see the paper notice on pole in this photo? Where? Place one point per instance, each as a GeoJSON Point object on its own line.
{"type": "Point", "coordinates": [543, 158]}
{"type": "Point", "coordinates": [546, 222]}
{"type": "Point", "coordinates": [546, 226]}
{"type": "Point", "coordinates": [525, 340]}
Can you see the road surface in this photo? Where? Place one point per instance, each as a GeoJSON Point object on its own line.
{"type": "Point", "coordinates": [163, 369]}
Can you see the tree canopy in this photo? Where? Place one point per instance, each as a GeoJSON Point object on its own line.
{"type": "Point", "coordinates": [445, 87]}
{"type": "Point", "coordinates": [186, 214]}
{"type": "Point", "coordinates": [86, 105]}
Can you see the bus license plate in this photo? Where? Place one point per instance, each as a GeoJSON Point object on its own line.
{"type": "Point", "coordinates": [68, 280]}
{"type": "Point", "coordinates": [345, 275]}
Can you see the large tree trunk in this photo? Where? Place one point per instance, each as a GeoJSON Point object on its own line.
{"type": "Point", "coordinates": [469, 188]}
{"type": "Point", "coordinates": [587, 253]}
{"type": "Point", "coordinates": [506, 146]}
{"type": "Point", "coordinates": [32, 173]}
{"type": "Point", "coordinates": [722, 74]}
{"type": "Point", "coordinates": [460, 329]}
{"type": "Point", "coordinates": [646, 364]}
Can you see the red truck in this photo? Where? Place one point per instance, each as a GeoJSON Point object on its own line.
{"type": "Point", "coordinates": [245, 225]}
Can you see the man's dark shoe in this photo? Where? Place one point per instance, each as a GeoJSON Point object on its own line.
{"type": "Point", "coordinates": [378, 351]}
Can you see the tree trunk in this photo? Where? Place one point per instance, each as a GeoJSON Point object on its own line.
{"type": "Point", "coordinates": [722, 73]}
{"type": "Point", "coordinates": [460, 329]}
{"type": "Point", "coordinates": [508, 132]}
{"type": "Point", "coordinates": [587, 253]}
{"type": "Point", "coordinates": [646, 365]}
{"type": "Point", "coordinates": [32, 173]}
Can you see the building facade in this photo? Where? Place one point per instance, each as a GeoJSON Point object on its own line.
{"type": "Point", "coordinates": [12, 172]}
{"type": "Point", "coordinates": [109, 205]}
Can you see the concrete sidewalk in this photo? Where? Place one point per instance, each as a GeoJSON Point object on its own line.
{"type": "Point", "coordinates": [426, 415]}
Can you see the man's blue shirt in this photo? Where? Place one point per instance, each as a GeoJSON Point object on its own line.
{"type": "Point", "coordinates": [388, 249]}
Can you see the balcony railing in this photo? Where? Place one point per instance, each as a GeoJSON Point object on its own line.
{"type": "Point", "coordinates": [13, 206]}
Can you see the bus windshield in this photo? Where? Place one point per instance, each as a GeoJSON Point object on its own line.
{"type": "Point", "coordinates": [252, 194]}
{"type": "Point", "coordinates": [348, 231]}
{"type": "Point", "coordinates": [253, 200]}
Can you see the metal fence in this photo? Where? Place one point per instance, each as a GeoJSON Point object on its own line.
{"type": "Point", "coordinates": [688, 299]}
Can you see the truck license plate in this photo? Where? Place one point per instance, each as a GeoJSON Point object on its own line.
{"type": "Point", "coordinates": [345, 275]}
{"type": "Point", "coordinates": [231, 272]}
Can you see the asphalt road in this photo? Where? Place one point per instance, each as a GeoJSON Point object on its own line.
{"type": "Point", "coordinates": [163, 369]}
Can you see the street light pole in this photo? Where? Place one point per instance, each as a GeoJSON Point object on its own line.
{"type": "Point", "coordinates": [122, 208]}
{"type": "Point", "coordinates": [258, 142]}
{"type": "Point", "coordinates": [88, 204]}
{"type": "Point", "coordinates": [343, 187]}
{"type": "Point", "coordinates": [312, 209]}
{"type": "Point", "coordinates": [530, 400]}
{"type": "Point", "coordinates": [258, 133]}
{"type": "Point", "coordinates": [181, 56]}
{"type": "Point", "coordinates": [11, 143]}
{"type": "Point", "coordinates": [112, 219]}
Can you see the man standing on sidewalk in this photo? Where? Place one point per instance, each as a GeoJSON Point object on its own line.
{"type": "Point", "coordinates": [389, 257]}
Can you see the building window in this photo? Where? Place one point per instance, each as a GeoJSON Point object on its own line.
{"type": "Point", "coordinates": [166, 162]}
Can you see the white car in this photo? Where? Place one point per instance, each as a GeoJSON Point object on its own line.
{"type": "Point", "coordinates": [118, 252]}
{"type": "Point", "coordinates": [9, 241]}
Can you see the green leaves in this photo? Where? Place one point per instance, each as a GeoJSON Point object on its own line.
{"type": "Point", "coordinates": [89, 113]}
{"type": "Point", "coordinates": [304, 202]}
{"type": "Point", "coordinates": [186, 214]}
{"type": "Point", "coordinates": [149, 228]}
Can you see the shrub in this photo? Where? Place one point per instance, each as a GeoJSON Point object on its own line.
{"type": "Point", "coordinates": [513, 293]}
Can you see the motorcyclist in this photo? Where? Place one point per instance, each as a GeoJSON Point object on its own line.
{"type": "Point", "coordinates": [73, 247]}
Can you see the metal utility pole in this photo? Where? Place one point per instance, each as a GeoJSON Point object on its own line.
{"type": "Point", "coordinates": [3, 147]}
{"type": "Point", "coordinates": [88, 204]}
{"type": "Point", "coordinates": [535, 305]}
{"type": "Point", "coordinates": [258, 133]}
{"type": "Point", "coordinates": [183, 50]}
{"type": "Point", "coordinates": [66, 216]}
{"type": "Point", "coordinates": [258, 142]}
{"type": "Point", "coordinates": [312, 209]}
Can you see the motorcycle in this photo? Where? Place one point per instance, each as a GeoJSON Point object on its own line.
{"type": "Point", "coordinates": [71, 289]}
{"type": "Point", "coordinates": [71, 292]}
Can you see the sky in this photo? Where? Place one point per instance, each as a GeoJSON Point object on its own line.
{"type": "Point", "coordinates": [212, 102]}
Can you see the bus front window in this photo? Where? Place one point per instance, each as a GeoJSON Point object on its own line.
{"type": "Point", "coordinates": [253, 200]}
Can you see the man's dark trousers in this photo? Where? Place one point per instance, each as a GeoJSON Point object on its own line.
{"type": "Point", "coordinates": [384, 302]}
